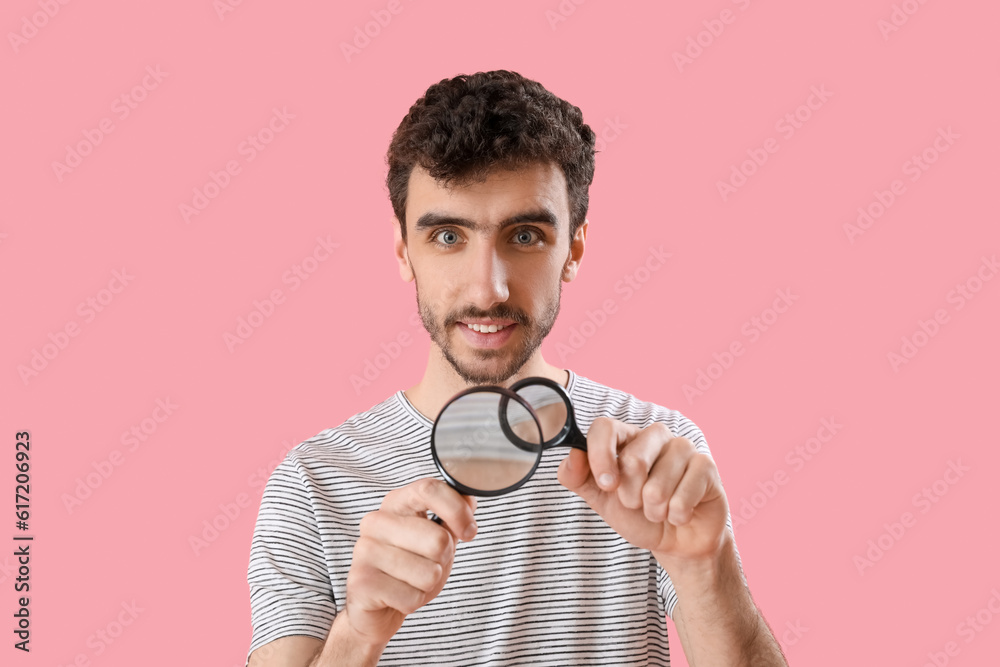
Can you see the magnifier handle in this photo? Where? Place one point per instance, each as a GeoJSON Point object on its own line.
{"type": "Point", "coordinates": [575, 438]}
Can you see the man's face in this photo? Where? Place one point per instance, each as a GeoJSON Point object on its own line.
{"type": "Point", "coordinates": [488, 253]}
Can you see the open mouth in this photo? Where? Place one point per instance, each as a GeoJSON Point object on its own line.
{"type": "Point", "coordinates": [486, 328]}
{"type": "Point", "coordinates": [486, 335]}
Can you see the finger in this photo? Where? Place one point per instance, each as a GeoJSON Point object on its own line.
{"type": "Point", "coordinates": [421, 573]}
{"type": "Point", "coordinates": [699, 484]}
{"type": "Point", "coordinates": [604, 438]}
{"type": "Point", "coordinates": [432, 495]}
{"type": "Point", "coordinates": [664, 478]}
{"type": "Point", "coordinates": [636, 460]}
{"type": "Point", "coordinates": [574, 474]}
{"type": "Point", "coordinates": [372, 590]}
{"type": "Point", "coordinates": [414, 534]}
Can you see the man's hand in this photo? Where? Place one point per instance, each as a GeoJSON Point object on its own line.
{"type": "Point", "coordinates": [661, 494]}
{"type": "Point", "coordinates": [402, 559]}
{"type": "Point", "coordinates": [654, 489]}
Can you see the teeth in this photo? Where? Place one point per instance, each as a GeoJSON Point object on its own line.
{"type": "Point", "coordinates": [481, 328]}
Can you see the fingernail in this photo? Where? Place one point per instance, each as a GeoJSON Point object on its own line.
{"type": "Point", "coordinates": [606, 480]}
{"type": "Point", "coordinates": [470, 532]}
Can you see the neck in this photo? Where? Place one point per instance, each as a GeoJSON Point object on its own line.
{"type": "Point", "coordinates": [440, 382]}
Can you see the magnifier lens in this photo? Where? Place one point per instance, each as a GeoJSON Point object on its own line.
{"type": "Point", "coordinates": [522, 424]}
{"type": "Point", "coordinates": [550, 407]}
{"type": "Point", "coordinates": [472, 447]}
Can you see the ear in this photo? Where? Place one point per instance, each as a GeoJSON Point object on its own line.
{"type": "Point", "coordinates": [576, 246]}
{"type": "Point", "coordinates": [405, 270]}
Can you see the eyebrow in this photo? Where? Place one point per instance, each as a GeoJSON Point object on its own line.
{"type": "Point", "coordinates": [431, 219]}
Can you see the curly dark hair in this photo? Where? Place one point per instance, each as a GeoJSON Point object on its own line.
{"type": "Point", "coordinates": [465, 127]}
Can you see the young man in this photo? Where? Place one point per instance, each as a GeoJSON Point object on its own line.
{"type": "Point", "coordinates": [488, 178]}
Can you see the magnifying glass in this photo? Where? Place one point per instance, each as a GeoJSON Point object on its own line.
{"type": "Point", "coordinates": [555, 412]}
{"type": "Point", "coordinates": [488, 440]}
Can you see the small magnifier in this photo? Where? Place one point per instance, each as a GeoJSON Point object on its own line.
{"type": "Point", "coordinates": [489, 440]}
{"type": "Point", "coordinates": [555, 412]}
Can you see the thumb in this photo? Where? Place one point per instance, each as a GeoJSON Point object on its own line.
{"type": "Point", "coordinates": [574, 474]}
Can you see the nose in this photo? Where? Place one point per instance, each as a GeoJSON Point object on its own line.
{"type": "Point", "coordinates": [486, 278]}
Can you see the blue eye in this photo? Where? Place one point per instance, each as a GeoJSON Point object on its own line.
{"type": "Point", "coordinates": [441, 233]}
{"type": "Point", "coordinates": [529, 231]}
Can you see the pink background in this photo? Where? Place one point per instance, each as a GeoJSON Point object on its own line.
{"type": "Point", "coordinates": [671, 134]}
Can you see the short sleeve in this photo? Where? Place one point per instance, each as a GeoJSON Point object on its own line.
{"type": "Point", "coordinates": [290, 591]}
{"type": "Point", "coordinates": [683, 427]}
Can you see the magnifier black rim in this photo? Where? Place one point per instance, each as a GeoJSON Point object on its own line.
{"type": "Point", "coordinates": [559, 437]}
{"type": "Point", "coordinates": [468, 490]}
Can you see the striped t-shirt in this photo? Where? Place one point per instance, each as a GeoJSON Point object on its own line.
{"type": "Point", "coordinates": [544, 582]}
